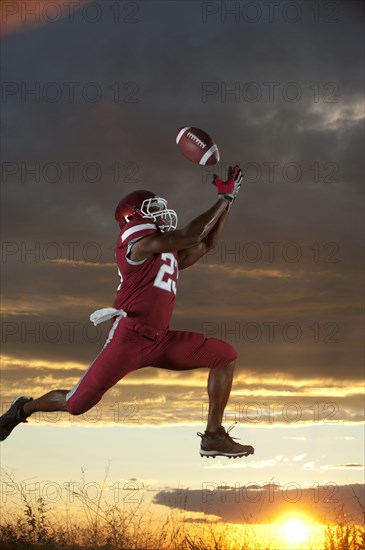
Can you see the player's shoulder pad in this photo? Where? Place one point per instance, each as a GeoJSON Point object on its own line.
{"type": "Point", "coordinates": [136, 229]}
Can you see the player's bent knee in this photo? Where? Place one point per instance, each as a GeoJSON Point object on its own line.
{"type": "Point", "coordinates": [80, 407]}
{"type": "Point", "coordinates": [231, 354]}
{"type": "Point", "coordinates": [225, 354]}
{"type": "Point", "coordinates": [82, 400]}
{"type": "Point", "coordinates": [76, 409]}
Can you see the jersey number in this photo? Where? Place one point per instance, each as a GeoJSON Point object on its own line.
{"type": "Point", "coordinates": [162, 279]}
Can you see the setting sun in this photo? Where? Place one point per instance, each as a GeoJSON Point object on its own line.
{"type": "Point", "coordinates": [295, 530]}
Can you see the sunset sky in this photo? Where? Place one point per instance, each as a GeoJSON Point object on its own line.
{"type": "Point", "coordinates": [91, 99]}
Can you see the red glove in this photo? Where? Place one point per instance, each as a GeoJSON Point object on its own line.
{"type": "Point", "coordinates": [228, 189]}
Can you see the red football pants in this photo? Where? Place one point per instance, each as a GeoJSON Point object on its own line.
{"type": "Point", "coordinates": [132, 345]}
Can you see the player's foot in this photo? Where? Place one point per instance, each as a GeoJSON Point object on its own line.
{"type": "Point", "coordinates": [220, 443]}
{"type": "Point", "coordinates": [13, 416]}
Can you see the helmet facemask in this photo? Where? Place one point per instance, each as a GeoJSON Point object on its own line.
{"type": "Point", "coordinates": [156, 209]}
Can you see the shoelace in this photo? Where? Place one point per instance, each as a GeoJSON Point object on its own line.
{"type": "Point", "coordinates": [230, 429]}
{"type": "Point", "coordinates": [226, 434]}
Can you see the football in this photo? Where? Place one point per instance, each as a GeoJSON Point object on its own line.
{"type": "Point", "coordinates": [197, 146]}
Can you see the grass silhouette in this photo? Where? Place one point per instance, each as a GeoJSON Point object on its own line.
{"type": "Point", "coordinates": [106, 526]}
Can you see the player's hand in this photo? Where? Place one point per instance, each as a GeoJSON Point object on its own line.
{"type": "Point", "coordinates": [228, 189]}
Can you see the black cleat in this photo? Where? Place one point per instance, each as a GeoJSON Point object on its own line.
{"type": "Point", "coordinates": [220, 443]}
{"type": "Point", "coordinates": [13, 417]}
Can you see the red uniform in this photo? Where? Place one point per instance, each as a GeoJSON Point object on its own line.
{"type": "Point", "coordinates": [147, 294]}
{"type": "Point", "coordinates": [148, 288]}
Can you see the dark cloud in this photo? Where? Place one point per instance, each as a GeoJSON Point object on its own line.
{"type": "Point", "coordinates": [249, 503]}
{"type": "Point", "coordinates": [166, 56]}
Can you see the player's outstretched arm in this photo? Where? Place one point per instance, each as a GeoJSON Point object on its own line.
{"type": "Point", "coordinates": [190, 256]}
{"type": "Point", "coordinates": [181, 239]}
{"type": "Point", "coordinates": [193, 234]}
{"type": "Point", "coordinates": [228, 190]}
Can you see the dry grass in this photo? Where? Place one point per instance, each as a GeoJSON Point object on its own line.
{"type": "Point", "coordinates": [344, 535]}
{"type": "Point", "coordinates": [108, 527]}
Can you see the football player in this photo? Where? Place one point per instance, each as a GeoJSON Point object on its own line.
{"type": "Point", "coordinates": [149, 254]}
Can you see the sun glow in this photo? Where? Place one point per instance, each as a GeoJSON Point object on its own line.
{"type": "Point", "coordinates": [295, 530]}
{"type": "Point", "coordinates": [289, 531]}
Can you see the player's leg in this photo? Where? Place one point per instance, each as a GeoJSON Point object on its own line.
{"type": "Point", "coordinates": [119, 356]}
{"type": "Point", "coordinates": [54, 400]}
{"type": "Point", "coordinates": [219, 389]}
{"type": "Point", "coordinates": [22, 407]}
{"type": "Point", "coordinates": [182, 350]}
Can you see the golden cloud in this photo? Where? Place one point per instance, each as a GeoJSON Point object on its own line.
{"type": "Point", "coordinates": [159, 397]}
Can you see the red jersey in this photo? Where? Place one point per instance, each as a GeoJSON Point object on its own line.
{"type": "Point", "coordinates": [147, 287]}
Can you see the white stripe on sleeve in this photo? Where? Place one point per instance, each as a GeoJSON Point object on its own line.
{"type": "Point", "coordinates": [137, 228]}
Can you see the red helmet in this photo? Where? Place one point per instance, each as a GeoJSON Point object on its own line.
{"type": "Point", "coordinates": [145, 204]}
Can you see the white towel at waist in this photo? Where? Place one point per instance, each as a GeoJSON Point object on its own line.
{"type": "Point", "coordinates": [105, 314]}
